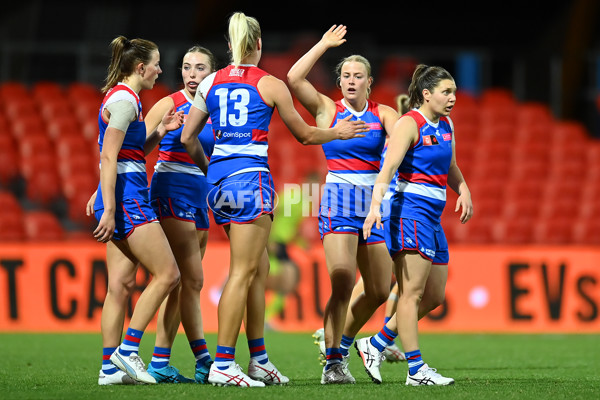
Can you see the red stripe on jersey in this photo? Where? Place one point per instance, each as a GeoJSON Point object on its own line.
{"type": "Point", "coordinates": [174, 156]}
{"type": "Point", "coordinates": [439, 180]}
{"type": "Point", "coordinates": [259, 135]}
{"type": "Point", "coordinates": [131, 154]}
{"type": "Point", "coordinates": [338, 164]}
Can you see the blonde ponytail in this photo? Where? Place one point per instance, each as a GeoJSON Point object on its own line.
{"type": "Point", "coordinates": [244, 33]}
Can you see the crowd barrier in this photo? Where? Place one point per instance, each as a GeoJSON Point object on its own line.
{"type": "Point", "coordinates": [60, 287]}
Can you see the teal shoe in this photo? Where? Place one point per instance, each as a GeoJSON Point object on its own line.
{"type": "Point", "coordinates": [168, 374]}
{"type": "Point", "coordinates": [202, 372]}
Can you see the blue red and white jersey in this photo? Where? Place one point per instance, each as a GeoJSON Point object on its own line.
{"type": "Point", "coordinates": [175, 174]}
{"type": "Point", "coordinates": [132, 179]}
{"type": "Point", "coordinates": [356, 161]}
{"type": "Point", "coordinates": [423, 173]}
{"type": "Point", "coordinates": [240, 121]}
{"type": "Point", "coordinates": [353, 164]}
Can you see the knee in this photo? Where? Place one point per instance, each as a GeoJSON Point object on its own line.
{"type": "Point", "coordinates": [431, 301]}
{"type": "Point", "coordinates": [381, 295]}
{"type": "Point", "coordinates": [192, 283]}
{"type": "Point", "coordinates": [121, 289]}
{"type": "Point", "coordinates": [169, 276]}
{"type": "Point", "coordinates": [342, 283]}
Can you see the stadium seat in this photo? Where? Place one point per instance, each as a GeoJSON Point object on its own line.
{"type": "Point", "coordinates": [44, 187]}
{"type": "Point", "coordinates": [554, 231]}
{"type": "Point", "coordinates": [35, 144]}
{"type": "Point", "coordinates": [9, 168]}
{"type": "Point", "coordinates": [61, 126]}
{"type": "Point", "coordinates": [12, 228]}
{"type": "Point", "coordinates": [586, 231]}
{"type": "Point", "coordinates": [568, 131]}
{"type": "Point", "coordinates": [533, 113]}
{"type": "Point", "coordinates": [42, 226]}
{"type": "Point", "coordinates": [72, 144]}
{"type": "Point", "coordinates": [77, 210]}
{"type": "Point", "coordinates": [18, 108]}
{"type": "Point", "coordinates": [52, 108]}
{"type": "Point", "coordinates": [28, 125]}
{"type": "Point", "coordinates": [150, 97]}
{"type": "Point", "coordinates": [13, 89]}
{"type": "Point", "coordinates": [86, 109]}
{"type": "Point", "coordinates": [43, 91]}
{"type": "Point", "coordinates": [83, 163]}
{"type": "Point", "coordinates": [497, 96]}
{"type": "Point", "coordinates": [479, 230]}
{"type": "Point", "coordinates": [9, 203]}
{"type": "Point", "coordinates": [83, 92]}
{"type": "Point", "coordinates": [515, 231]}
{"type": "Point", "coordinates": [80, 181]}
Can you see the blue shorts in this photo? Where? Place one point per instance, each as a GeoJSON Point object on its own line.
{"type": "Point", "coordinates": [174, 208]}
{"type": "Point", "coordinates": [408, 234]}
{"type": "Point", "coordinates": [130, 214]}
{"type": "Point", "coordinates": [348, 225]}
{"type": "Point", "coordinates": [242, 198]}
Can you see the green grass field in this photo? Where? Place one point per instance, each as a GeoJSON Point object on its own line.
{"type": "Point", "coordinates": [65, 366]}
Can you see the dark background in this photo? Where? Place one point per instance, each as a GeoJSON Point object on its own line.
{"type": "Point", "coordinates": [542, 50]}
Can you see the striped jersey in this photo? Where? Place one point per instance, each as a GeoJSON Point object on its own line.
{"type": "Point", "coordinates": [353, 164]}
{"type": "Point", "coordinates": [240, 121]}
{"type": "Point", "coordinates": [423, 173]}
{"type": "Point", "coordinates": [175, 174]}
{"type": "Point", "coordinates": [132, 179]}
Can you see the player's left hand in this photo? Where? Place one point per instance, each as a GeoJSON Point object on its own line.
{"type": "Point", "coordinates": [464, 204]}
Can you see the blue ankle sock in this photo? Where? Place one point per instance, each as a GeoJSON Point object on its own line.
{"type": "Point", "coordinates": [224, 357]}
{"type": "Point", "coordinates": [258, 350]}
{"type": "Point", "coordinates": [200, 351]}
{"type": "Point", "coordinates": [160, 357]}
{"type": "Point", "coordinates": [415, 361]}
{"type": "Point", "coordinates": [383, 339]}
{"type": "Point", "coordinates": [131, 343]}
{"type": "Point", "coordinates": [107, 366]}
{"type": "Point", "coordinates": [345, 344]}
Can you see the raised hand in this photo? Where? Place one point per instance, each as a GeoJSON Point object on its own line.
{"type": "Point", "coordinates": [334, 37]}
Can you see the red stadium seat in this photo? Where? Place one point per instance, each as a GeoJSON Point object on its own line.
{"type": "Point", "coordinates": [13, 89]}
{"type": "Point", "coordinates": [556, 230]}
{"type": "Point", "coordinates": [9, 203]}
{"type": "Point", "coordinates": [586, 231]}
{"type": "Point", "coordinates": [43, 91]}
{"type": "Point", "coordinates": [28, 125]}
{"type": "Point", "coordinates": [17, 108]}
{"type": "Point", "coordinates": [12, 228]}
{"type": "Point", "coordinates": [9, 168]}
{"type": "Point", "coordinates": [42, 226]}
{"type": "Point", "coordinates": [56, 107]}
{"type": "Point", "coordinates": [77, 210]}
{"type": "Point", "coordinates": [515, 231]}
{"type": "Point", "coordinates": [83, 92]}
{"type": "Point", "coordinates": [533, 113]}
{"type": "Point", "coordinates": [35, 144]}
{"type": "Point", "coordinates": [60, 126]}
{"type": "Point", "coordinates": [44, 187]}
{"type": "Point", "coordinates": [71, 145]}
{"type": "Point", "coordinates": [150, 97]}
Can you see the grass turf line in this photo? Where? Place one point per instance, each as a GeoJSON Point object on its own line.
{"type": "Point", "coordinates": [66, 366]}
